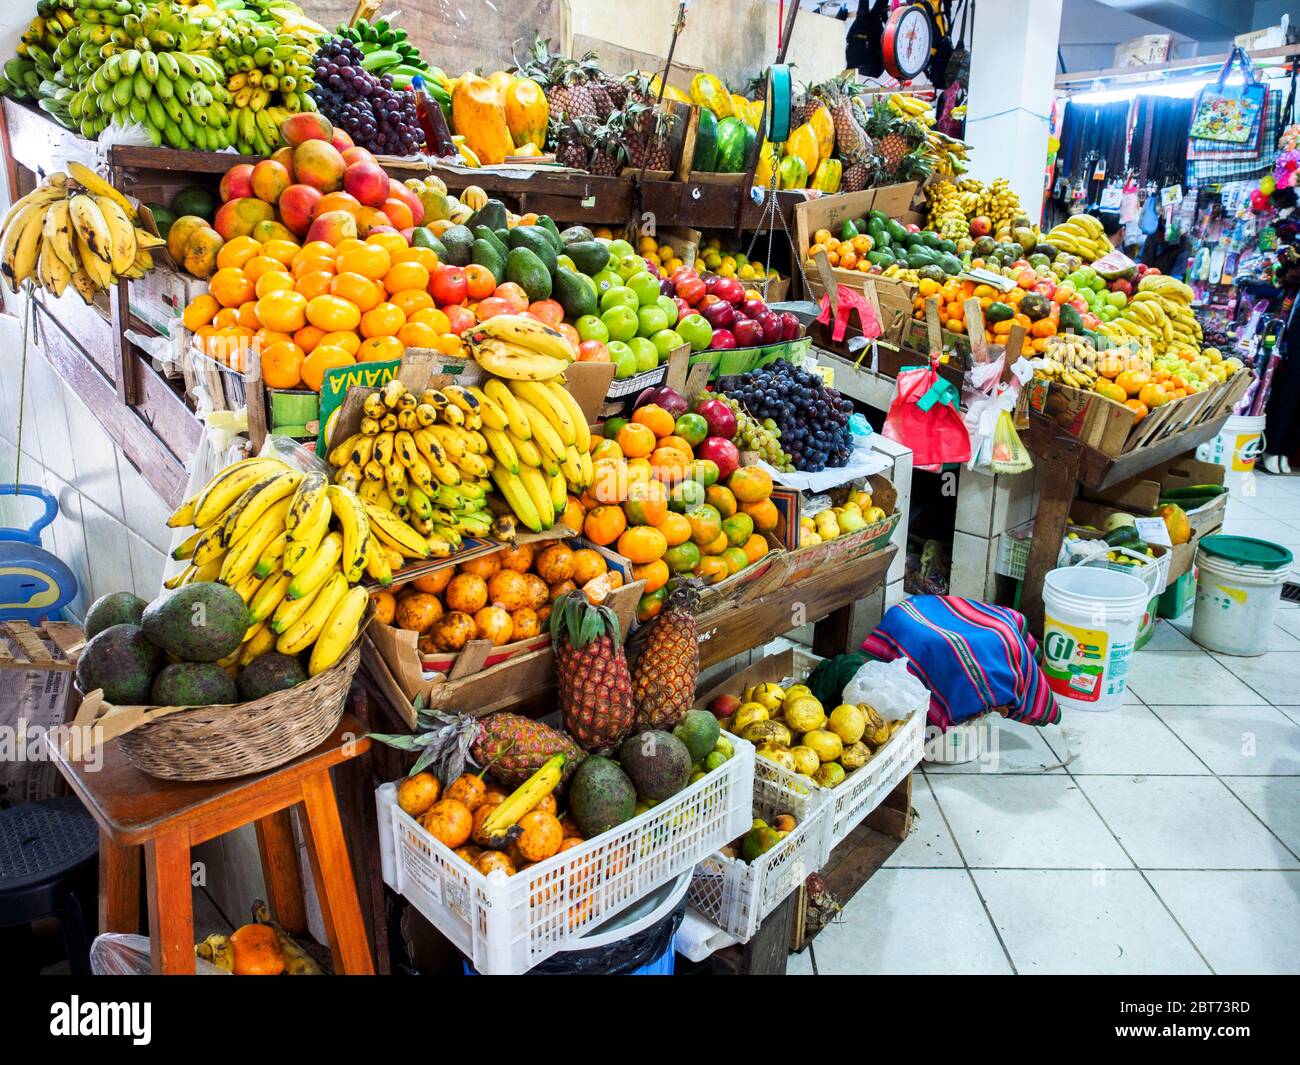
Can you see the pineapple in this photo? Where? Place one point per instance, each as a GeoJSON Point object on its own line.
{"type": "Point", "coordinates": [609, 147]}
{"type": "Point", "coordinates": [663, 682]}
{"type": "Point", "coordinates": [850, 140]}
{"type": "Point", "coordinates": [567, 137]}
{"type": "Point", "coordinates": [563, 80]}
{"type": "Point", "coordinates": [591, 674]}
{"type": "Point", "coordinates": [897, 141]}
{"type": "Point", "coordinates": [511, 747]}
{"type": "Point", "coordinates": [858, 174]}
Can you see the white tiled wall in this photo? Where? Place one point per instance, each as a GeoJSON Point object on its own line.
{"type": "Point", "coordinates": [110, 530]}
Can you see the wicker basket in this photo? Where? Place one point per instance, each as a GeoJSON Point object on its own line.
{"type": "Point", "coordinates": [218, 742]}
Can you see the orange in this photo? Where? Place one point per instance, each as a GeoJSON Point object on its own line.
{"type": "Point", "coordinates": [480, 283]}
{"type": "Point", "coordinates": [647, 503]}
{"type": "Point", "coordinates": [764, 513]}
{"type": "Point", "coordinates": [716, 546]}
{"type": "Point", "coordinates": [226, 317]}
{"type": "Point", "coordinates": [755, 547]}
{"type": "Point", "coordinates": [273, 281]}
{"type": "Point", "coordinates": [735, 558]}
{"type": "Point", "coordinates": [357, 290]}
{"type": "Point", "coordinates": [390, 242]}
{"type": "Point", "coordinates": [237, 251]}
{"type": "Point", "coordinates": [308, 337]}
{"type": "Point", "coordinates": [248, 315]}
{"type": "Point", "coordinates": [347, 244]}
{"type": "Point", "coordinates": [343, 338]}
{"type": "Point", "coordinates": [271, 336]}
{"type": "Point", "coordinates": [419, 335]}
{"type": "Point", "coordinates": [384, 319]}
{"type": "Point", "coordinates": [231, 286]}
{"type": "Point", "coordinates": [655, 574]}
{"type": "Point", "coordinates": [449, 344]}
{"type": "Point", "coordinates": [675, 527]}
{"type": "Point", "coordinates": [654, 418]}
{"type": "Point", "coordinates": [413, 300]}
{"type": "Point", "coordinates": [331, 312]}
{"type": "Point", "coordinates": [314, 283]}
{"type": "Point", "coordinates": [573, 514]}
{"type": "Point", "coordinates": [325, 357]}
{"type": "Point", "coordinates": [720, 498]}
{"type": "Point", "coordinates": [635, 439]}
{"type": "Point", "coordinates": [1137, 407]}
{"type": "Point", "coordinates": [380, 349]}
{"type": "Point", "coordinates": [282, 365]}
{"type": "Point", "coordinates": [669, 463]}
{"type": "Point", "coordinates": [588, 564]}
{"type": "Point", "coordinates": [200, 311]}
{"type": "Point", "coordinates": [406, 276]}
{"type": "Point", "coordinates": [713, 569]}
{"type": "Point", "coordinates": [605, 524]}
{"type": "Point", "coordinates": [749, 484]}
{"type": "Point", "coordinates": [284, 250]}
{"type": "Point", "coordinates": [426, 257]}
{"type": "Point", "coordinates": [308, 264]}
{"type": "Point", "coordinates": [642, 544]}
{"type": "Point", "coordinates": [677, 443]}
{"type": "Point", "coordinates": [1154, 395]}
{"type": "Point", "coordinates": [605, 449]}
{"type": "Point", "coordinates": [368, 260]}
{"type": "Point", "coordinates": [260, 264]}
{"type": "Point", "coordinates": [285, 311]}
{"type": "Point", "coordinates": [1131, 381]}
{"type": "Point", "coordinates": [316, 249]}
{"type": "Point", "coordinates": [429, 315]}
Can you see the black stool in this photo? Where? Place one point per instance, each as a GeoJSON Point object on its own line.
{"type": "Point", "coordinates": [47, 862]}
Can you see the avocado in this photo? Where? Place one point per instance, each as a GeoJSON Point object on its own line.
{"type": "Point", "coordinates": [1070, 321]}
{"type": "Point", "coordinates": [198, 622]}
{"type": "Point", "coordinates": [546, 223]}
{"type": "Point", "coordinates": [163, 217]}
{"type": "Point", "coordinates": [423, 237]}
{"type": "Point", "coordinates": [576, 235]}
{"type": "Point", "coordinates": [122, 661]}
{"type": "Point", "coordinates": [492, 214]}
{"type": "Point", "coordinates": [896, 229]}
{"type": "Point", "coordinates": [459, 244]}
{"type": "Point", "coordinates": [193, 684]}
{"type": "Point", "coordinates": [590, 256]}
{"type": "Point", "coordinates": [658, 763]}
{"type": "Point", "coordinates": [699, 730]}
{"type": "Point", "coordinates": [271, 672]}
{"type": "Point", "coordinates": [950, 263]}
{"type": "Point", "coordinates": [486, 253]}
{"type": "Point", "coordinates": [116, 608]}
{"type": "Point", "coordinates": [601, 796]}
{"type": "Point", "coordinates": [526, 270]}
{"type": "Point", "coordinates": [536, 240]}
{"type": "Point", "coordinates": [196, 199]}
{"type": "Point", "coordinates": [575, 293]}
{"type": "Point", "coordinates": [483, 233]}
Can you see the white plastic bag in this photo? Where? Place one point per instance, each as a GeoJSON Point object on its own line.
{"type": "Point", "coordinates": [889, 688]}
{"type": "Point", "coordinates": [113, 954]}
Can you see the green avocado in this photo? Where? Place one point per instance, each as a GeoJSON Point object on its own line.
{"type": "Point", "coordinates": [526, 270]}
{"type": "Point", "coordinates": [576, 235]}
{"type": "Point", "coordinates": [536, 240]}
{"type": "Point", "coordinates": [459, 243]}
{"type": "Point", "coordinates": [193, 684]}
{"type": "Point", "coordinates": [492, 214]}
{"type": "Point", "coordinates": [575, 293]}
{"type": "Point", "coordinates": [483, 233]}
{"type": "Point", "coordinates": [199, 622]}
{"type": "Point", "coordinates": [488, 253]}
{"type": "Point", "coordinates": [423, 237]}
{"type": "Point", "coordinates": [115, 608]}
{"type": "Point", "coordinates": [590, 256]}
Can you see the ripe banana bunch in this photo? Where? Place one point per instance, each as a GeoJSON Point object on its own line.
{"type": "Point", "coordinates": [1073, 360]}
{"type": "Point", "coordinates": [1174, 299]}
{"type": "Point", "coordinates": [542, 445]}
{"type": "Point", "coordinates": [265, 529]}
{"type": "Point", "coordinates": [423, 461]}
{"type": "Point", "coordinates": [1081, 235]}
{"type": "Point", "coordinates": [82, 234]}
{"type": "Point", "coordinates": [520, 349]}
{"type": "Point", "coordinates": [912, 107]}
{"type": "Point", "coordinates": [947, 215]}
{"type": "Point", "coordinates": [996, 201]}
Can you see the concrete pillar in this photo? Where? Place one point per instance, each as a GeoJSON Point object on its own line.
{"type": "Point", "coordinates": [1013, 69]}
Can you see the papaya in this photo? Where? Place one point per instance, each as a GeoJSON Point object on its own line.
{"type": "Point", "coordinates": [1175, 519]}
{"type": "Point", "coordinates": [478, 114]}
{"type": "Point", "coordinates": [526, 111]}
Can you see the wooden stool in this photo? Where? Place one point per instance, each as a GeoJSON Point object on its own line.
{"type": "Point", "coordinates": [168, 817]}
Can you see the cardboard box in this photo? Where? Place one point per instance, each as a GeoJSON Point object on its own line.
{"type": "Point", "coordinates": [804, 562]}
{"type": "Point", "coordinates": [1144, 51]}
{"type": "Point", "coordinates": [158, 298]}
{"type": "Point", "coordinates": [752, 582]}
{"type": "Point", "coordinates": [830, 212]}
{"type": "Point", "coordinates": [1141, 494]}
{"type": "Point", "coordinates": [891, 298]}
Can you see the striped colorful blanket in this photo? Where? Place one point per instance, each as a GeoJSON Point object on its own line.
{"type": "Point", "coordinates": [972, 656]}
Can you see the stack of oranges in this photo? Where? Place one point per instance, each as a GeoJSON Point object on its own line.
{"type": "Point", "coordinates": [307, 309]}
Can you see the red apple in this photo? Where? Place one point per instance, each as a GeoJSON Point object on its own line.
{"type": "Point", "coordinates": [749, 334]}
{"type": "Point", "coordinates": [771, 326]}
{"type": "Point", "coordinates": [753, 308]}
{"type": "Point", "coordinates": [721, 451]}
{"type": "Point", "coordinates": [723, 706]}
{"type": "Point", "coordinates": [720, 418]}
{"type": "Point", "coordinates": [980, 226]}
{"type": "Point", "coordinates": [722, 338]}
{"type": "Point", "coordinates": [691, 289]}
{"type": "Point", "coordinates": [791, 327]}
{"type": "Point", "coordinates": [683, 308]}
{"type": "Point", "coordinates": [731, 290]}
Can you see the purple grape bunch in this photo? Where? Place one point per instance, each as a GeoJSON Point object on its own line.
{"type": "Point", "coordinates": [374, 114]}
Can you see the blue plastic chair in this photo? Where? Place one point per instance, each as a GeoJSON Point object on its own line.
{"type": "Point", "coordinates": [34, 584]}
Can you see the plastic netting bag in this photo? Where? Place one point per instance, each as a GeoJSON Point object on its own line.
{"type": "Point", "coordinates": [889, 688]}
{"type": "Point", "coordinates": [297, 453]}
{"type": "Point", "coordinates": [113, 954]}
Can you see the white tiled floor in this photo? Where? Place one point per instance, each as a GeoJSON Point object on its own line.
{"type": "Point", "coordinates": [1162, 837]}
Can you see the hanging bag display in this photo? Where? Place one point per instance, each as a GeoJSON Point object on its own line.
{"type": "Point", "coordinates": [1230, 114]}
{"type": "Point", "coordinates": [924, 417]}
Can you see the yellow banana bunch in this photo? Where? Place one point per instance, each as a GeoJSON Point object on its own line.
{"type": "Point", "coordinates": [81, 235]}
{"type": "Point", "coordinates": [1080, 235]}
{"type": "Point", "coordinates": [520, 349]}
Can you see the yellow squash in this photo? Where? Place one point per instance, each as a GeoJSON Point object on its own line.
{"type": "Point", "coordinates": [478, 115]}
{"type": "Point", "coordinates": [526, 112]}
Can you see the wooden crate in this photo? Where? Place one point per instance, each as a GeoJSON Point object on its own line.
{"type": "Point", "coordinates": [54, 645]}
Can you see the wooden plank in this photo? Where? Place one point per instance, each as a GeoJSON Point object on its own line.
{"type": "Point", "coordinates": [1060, 456]}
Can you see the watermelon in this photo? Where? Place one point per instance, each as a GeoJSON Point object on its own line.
{"type": "Point", "coordinates": [706, 142]}
{"type": "Point", "coordinates": [734, 140]}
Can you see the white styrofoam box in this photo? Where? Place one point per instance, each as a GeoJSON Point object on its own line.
{"type": "Point", "coordinates": [506, 925]}
{"type": "Point", "coordinates": [737, 895]}
{"type": "Point", "coordinates": [159, 297]}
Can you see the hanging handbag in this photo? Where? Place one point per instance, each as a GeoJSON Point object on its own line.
{"type": "Point", "coordinates": [958, 69]}
{"type": "Point", "coordinates": [1230, 114]}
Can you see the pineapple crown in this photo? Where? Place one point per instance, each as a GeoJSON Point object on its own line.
{"type": "Point", "coordinates": [574, 616]}
{"type": "Point", "coordinates": [443, 741]}
{"type": "Point", "coordinates": [683, 595]}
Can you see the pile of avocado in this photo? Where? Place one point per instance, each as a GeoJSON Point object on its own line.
{"type": "Point", "coordinates": [545, 262]}
{"type": "Point", "coordinates": [925, 251]}
{"type": "Point", "coordinates": [170, 652]}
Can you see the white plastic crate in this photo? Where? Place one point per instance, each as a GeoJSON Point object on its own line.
{"type": "Point", "coordinates": [506, 925]}
{"type": "Point", "coordinates": [866, 788]}
{"type": "Point", "coordinates": [736, 895]}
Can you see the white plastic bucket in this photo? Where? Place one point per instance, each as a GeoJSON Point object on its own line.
{"type": "Point", "coordinates": [1235, 600]}
{"type": "Point", "coordinates": [1238, 445]}
{"type": "Point", "coordinates": [1090, 623]}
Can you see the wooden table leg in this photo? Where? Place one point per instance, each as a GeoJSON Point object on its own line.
{"type": "Point", "coordinates": [335, 887]}
{"type": "Point", "coordinates": [1060, 464]}
{"type": "Point", "coordinates": [119, 886]}
{"type": "Point", "coordinates": [171, 904]}
{"type": "Point", "coordinates": [281, 872]}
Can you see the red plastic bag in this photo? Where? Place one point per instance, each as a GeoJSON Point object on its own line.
{"type": "Point", "coordinates": [923, 416]}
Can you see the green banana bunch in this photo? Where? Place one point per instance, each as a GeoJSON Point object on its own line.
{"type": "Point", "coordinates": [386, 50]}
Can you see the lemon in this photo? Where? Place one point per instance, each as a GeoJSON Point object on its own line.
{"type": "Point", "coordinates": [848, 723]}
{"type": "Point", "coordinates": [827, 745]}
{"type": "Point", "coordinates": [804, 713]}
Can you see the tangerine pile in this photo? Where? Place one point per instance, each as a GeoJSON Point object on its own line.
{"type": "Point", "coordinates": [307, 309]}
{"type": "Point", "coordinates": [502, 597]}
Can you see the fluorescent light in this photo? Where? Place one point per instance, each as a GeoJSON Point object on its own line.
{"type": "Point", "coordinates": [1183, 89]}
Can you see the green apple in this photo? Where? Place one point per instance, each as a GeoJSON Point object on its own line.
{"type": "Point", "coordinates": [621, 322]}
{"type": "Point", "coordinates": [619, 296]}
{"type": "Point", "coordinates": [696, 331]}
{"type": "Point", "coordinates": [652, 319]}
{"type": "Point", "coordinates": [647, 355]}
{"type": "Point", "coordinates": [624, 360]}
{"type": "Point", "coordinates": [622, 248]}
{"type": "Point", "coordinates": [630, 265]}
{"type": "Point", "coordinates": [666, 340]}
{"type": "Point", "coordinates": [670, 308]}
{"type": "Point", "coordinates": [605, 280]}
{"type": "Point", "coordinates": [592, 328]}
{"type": "Point", "coordinates": [646, 287]}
